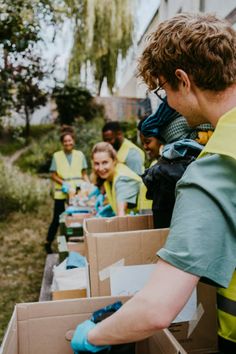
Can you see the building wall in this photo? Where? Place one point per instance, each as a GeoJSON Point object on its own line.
{"type": "Point", "coordinates": [124, 108]}
{"type": "Point", "coordinates": [131, 86]}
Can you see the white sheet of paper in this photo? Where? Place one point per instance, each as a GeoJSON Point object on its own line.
{"type": "Point", "coordinates": [127, 280]}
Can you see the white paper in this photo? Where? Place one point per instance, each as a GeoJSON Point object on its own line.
{"type": "Point", "coordinates": [127, 280]}
{"type": "Point", "coordinates": [69, 279]}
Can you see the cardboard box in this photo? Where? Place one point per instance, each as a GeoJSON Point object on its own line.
{"type": "Point", "coordinates": [69, 294]}
{"type": "Point", "coordinates": [64, 247]}
{"type": "Point", "coordinates": [72, 224]}
{"type": "Point", "coordinates": [200, 334]}
{"type": "Point", "coordinates": [77, 247]}
{"type": "Point", "coordinates": [37, 328]}
{"type": "Point", "coordinates": [128, 240]}
{"type": "Point", "coordinates": [195, 326]}
{"type": "Point", "coordinates": [70, 283]}
{"type": "Point", "coordinates": [131, 241]}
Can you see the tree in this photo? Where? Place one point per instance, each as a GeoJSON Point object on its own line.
{"type": "Point", "coordinates": [74, 102]}
{"type": "Point", "coordinates": [103, 31]}
{"type": "Point", "coordinates": [20, 69]}
{"type": "Point", "coordinates": [28, 94]}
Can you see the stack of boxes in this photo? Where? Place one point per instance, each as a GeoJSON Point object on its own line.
{"type": "Point", "coordinates": [111, 244]}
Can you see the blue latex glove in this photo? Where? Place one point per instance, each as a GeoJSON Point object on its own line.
{"type": "Point", "coordinates": [99, 201]}
{"type": "Point", "coordinates": [65, 187]}
{"type": "Point", "coordinates": [80, 342]}
{"type": "Point", "coordinates": [75, 260]}
{"type": "Point", "coordinates": [94, 193]}
{"type": "Point", "coordinates": [106, 212]}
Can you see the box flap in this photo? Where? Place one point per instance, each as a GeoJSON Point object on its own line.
{"type": "Point", "coordinates": [118, 224]}
{"type": "Point", "coordinates": [42, 328]}
{"type": "Point", "coordinates": [127, 247]}
{"type": "Point", "coordinates": [10, 340]}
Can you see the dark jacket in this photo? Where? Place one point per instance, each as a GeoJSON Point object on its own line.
{"type": "Point", "coordinates": [161, 179]}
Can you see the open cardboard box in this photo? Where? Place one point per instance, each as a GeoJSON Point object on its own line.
{"type": "Point", "coordinates": [130, 240]}
{"type": "Point", "coordinates": [37, 328]}
{"type": "Point", "coordinates": [64, 248]}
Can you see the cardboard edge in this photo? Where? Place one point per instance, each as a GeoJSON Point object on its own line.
{"type": "Point", "coordinates": [10, 341]}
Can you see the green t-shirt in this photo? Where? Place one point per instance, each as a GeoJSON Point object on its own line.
{"type": "Point", "coordinates": [127, 190]}
{"type": "Point", "coordinates": [202, 239]}
{"type": "Point", "coordinates": [134, 161]}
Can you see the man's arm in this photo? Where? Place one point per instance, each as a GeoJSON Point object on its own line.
{"type": "Point", "coordinates": [151, 309]}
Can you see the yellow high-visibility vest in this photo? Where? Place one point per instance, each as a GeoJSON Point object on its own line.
{"type": "Point", "coordinates": [124, 150]}
{"type": "Point", "coordinates": [226, 308]}
{"type": "Point", "coordinates": [223, 142]}
{"type": "Point", "coordinates": [70, 173]}
{"type": "Point", "coordinates": [123, 170]}
{"type": "Point", "coordinates": [153, 163]}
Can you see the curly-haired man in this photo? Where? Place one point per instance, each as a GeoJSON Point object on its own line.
{"type": "Point", "coordinates": [192, 57]}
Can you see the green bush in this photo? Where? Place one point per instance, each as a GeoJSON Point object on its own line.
{"type": "Point", "coordinates": [130, 130]}
{"type": "Point", "coordinates": [38, 157]}
{"type": "Point", "coordinates": [74, 102]}
{"type": "Point", "coordinates": [87, 135]}
{"type": "Point", "coordinates": [20, 191]}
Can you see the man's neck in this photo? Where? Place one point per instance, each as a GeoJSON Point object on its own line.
{"type": "Point", "coordinates": [214, 105]}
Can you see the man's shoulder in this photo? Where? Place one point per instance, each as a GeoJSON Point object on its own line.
{"type": "Point", "coordinates": [211, 172]}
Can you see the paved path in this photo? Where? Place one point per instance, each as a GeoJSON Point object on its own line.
{"type": "Point", "coordinates": [10, 160]}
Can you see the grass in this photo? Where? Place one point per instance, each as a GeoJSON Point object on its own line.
{"type": "Point", "coordinates": [10, 146]}
{"type": "Point", "coordinates": [13, 139]}
{"type": "Point", "coordinates": [22, 259]}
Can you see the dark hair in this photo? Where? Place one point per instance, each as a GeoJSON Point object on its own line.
{"type": "Point", "coordinates": [202, 45]}
{"type": "Point", "coordinates": [114, 126]}
{"type": "Point", "coordinates": [67, 130]}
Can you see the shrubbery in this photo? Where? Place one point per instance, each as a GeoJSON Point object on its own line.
{"type": "Point", "coordinates": [20, 191]}
{"type": "Point", "coordinates": [38, 157]}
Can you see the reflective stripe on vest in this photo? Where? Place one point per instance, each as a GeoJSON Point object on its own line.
{"type": "Point", "coordinates": [226, 305]}
{"type": "Point", "coordinates": [70, 173]}
{"type": "Point", "coordinates": [124, 150]}
{"type": "Point", "coordinates": [123, 170]}
{"type": "Point", "coordinates": [226, 308]}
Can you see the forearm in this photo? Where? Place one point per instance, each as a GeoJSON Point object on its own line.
{"type": "Point", "coordinates": [121, 208]}
{"type": "Point", "coordinates": [152, 309]}
{"type": "Point", "coordinates": [56, 178]}
{"type": "Point", "coordinates": [129, 324]}
{"type": "Point", "coordinates": [85, 176]}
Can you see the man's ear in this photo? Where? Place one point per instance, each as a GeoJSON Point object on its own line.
{"type": "Point", "coordinates": [183, 78]}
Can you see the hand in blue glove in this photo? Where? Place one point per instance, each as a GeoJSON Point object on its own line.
{"type": "Point", "coordinates": [94, 193]}
{"type": "Point", "coordinates": [80, 339]}
{"type": "Point", "coordinates": [106, 212]}
{"type": "Point", "coordinates": [99, 201]}
{"type": "Point", "coordinates": [65, 187]}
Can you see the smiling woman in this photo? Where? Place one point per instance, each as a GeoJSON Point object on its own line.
{"type": "Point", "coordinates": [68, 167]}
{"type": "Point", "coordinates": [122, 185]}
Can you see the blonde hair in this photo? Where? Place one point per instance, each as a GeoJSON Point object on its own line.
{"type": "Point", "coordinates": [202, 45]}
{"type": "Point", "coordinates": [105, 147]}
{"type": "Point", "coordinates": [102, 147]}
